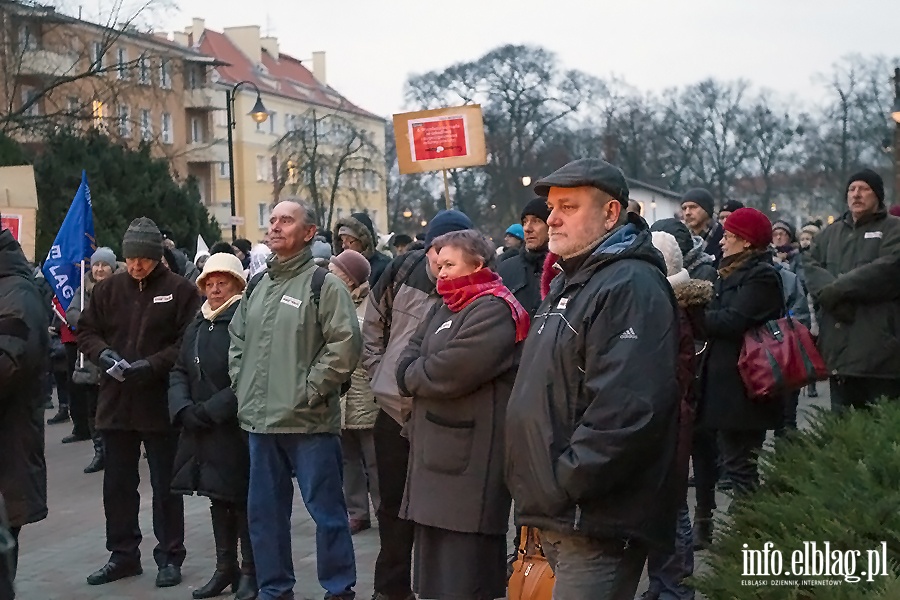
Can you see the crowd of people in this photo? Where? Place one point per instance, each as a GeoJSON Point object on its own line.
{"type": "Point", "coordinates": [582, 377]}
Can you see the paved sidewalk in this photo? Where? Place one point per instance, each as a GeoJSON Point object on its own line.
{"type": "Point", "coordinates": [59, 552]}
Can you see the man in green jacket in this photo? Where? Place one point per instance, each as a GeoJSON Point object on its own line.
{"type": "Point", "coordinates": [853, 273]}
{"type": "Point", "coordinates": [289, 356]}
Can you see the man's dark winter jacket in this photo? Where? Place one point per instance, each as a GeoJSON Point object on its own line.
{"type": "Point", "coordinates": [745, 299]}
{"type": "Point", "coordinates": [24, 349]}
{"type": "Point", "coordinates": [591, 438]}
{"type": "Point", "coordinates": [214, 462]}
{"type": "Point", "coordinates": [364, 231]}
{"type": "Point", "coordinates": [138, 320]}
{"type": "Point", "coordinates": [522, 275]}
{"type": "Point", "coordinates": [853, 273]}
{"type": "Point", "coordinates": [711, 241]}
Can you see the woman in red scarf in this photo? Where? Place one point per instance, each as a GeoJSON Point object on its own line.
{"type": "Point", "coordinates": [459, 368]}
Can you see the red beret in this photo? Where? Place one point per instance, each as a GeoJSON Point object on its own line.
{"type": "Point", "coordinates": [750, 225]}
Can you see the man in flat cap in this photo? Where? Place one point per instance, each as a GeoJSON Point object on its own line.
{"type": "Point", "coordinates": [590, 439]}
{"type": "Point", "coordinates": [138, 316]}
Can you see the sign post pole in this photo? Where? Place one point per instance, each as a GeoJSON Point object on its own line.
{"type": "Point", "coordinates": [447, 190]}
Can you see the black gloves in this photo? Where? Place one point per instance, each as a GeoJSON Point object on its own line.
{"type": "Point", "coordinates": [108, 358]}
{"type": "Point", "coordinates": [140, 370]}
{"type": "Point", "coordinates": [194, 418]}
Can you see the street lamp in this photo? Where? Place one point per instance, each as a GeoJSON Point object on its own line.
{"type": "Point", "coordinates": [895, 111]}
{"type": "Point", "coordinates": [526, 181]}
{"type": "Point", "coordinates": [407, 214]}
{"type": "Point", "coordinates": [259, 115]}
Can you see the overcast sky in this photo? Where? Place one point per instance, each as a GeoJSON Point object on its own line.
{"type": "Point", "coordinates": [373, 45]}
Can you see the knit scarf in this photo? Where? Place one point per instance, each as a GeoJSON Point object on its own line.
{"type": "Point", "coordinates": [209, 314]}
{"type": "Point", "coordinates": [730, 264]}
{"type": "Point", "coordinates": [460, 292]}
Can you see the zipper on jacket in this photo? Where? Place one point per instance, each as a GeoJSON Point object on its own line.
{"type": "Point", "coordinates": [577, 524]}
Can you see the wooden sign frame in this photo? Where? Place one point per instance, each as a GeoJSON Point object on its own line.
{"type": "Point", "coordinates": [473, 145]}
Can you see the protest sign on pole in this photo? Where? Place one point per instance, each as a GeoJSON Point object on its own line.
{"type": "Point", "coordinates": [74, 244]}
{"type": "Point", "coordinates": [440, 139]}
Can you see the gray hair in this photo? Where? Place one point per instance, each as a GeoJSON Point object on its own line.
{"type": "Point", "coordinates": [309, 215]}
{"type": "Point", "coordinates": [475, 246]}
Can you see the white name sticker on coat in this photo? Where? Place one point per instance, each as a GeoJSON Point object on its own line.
{"type": "Point", "coordinates": [445, 325]}
{"type": "Point", "coordinates": [873, 234]}
{"type": "Point", "coordinates": [290, 301]}
{"type": "Point", "coordinates": [161, 299]}
{"type": "Point", "coordinates": [563, 303]}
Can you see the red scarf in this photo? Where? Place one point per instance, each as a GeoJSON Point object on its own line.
{"type": "Point", "coordinates": [460, 292]}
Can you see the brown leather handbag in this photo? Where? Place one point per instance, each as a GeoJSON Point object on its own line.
{"type": "Point", "coordinates": [532, 577]}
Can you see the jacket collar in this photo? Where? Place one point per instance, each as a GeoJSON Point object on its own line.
{"type": "Point", "coordinates": [156, 273]}
{"type": "Point", "coordinates": [291, 267]}
{"type": "Point", "coordinates": [879, 214]}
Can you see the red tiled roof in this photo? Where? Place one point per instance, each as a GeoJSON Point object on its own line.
{"type": "Point", "coordinates": [291, 79]}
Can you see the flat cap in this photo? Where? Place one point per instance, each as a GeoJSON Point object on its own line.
{"type": "Point", "coordinates": [587, 172]}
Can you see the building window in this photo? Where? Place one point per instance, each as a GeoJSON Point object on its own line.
{"type": "Point", "coordinates": [263, 212]}
{"type": "Point", "coordinates": [144, 70]}
{"type": "Point", "coordinates": [27, 38]}
{"type": "Point", "coordinates": [98, 114]}
{"type": "Point", "coordinates": [98, 56]}
{"type": "Point", "coordinates": [73, 106]}
{"type": "Point", "coordinates": [124, 121]}
{"type": "Point", "coordinates": [271, 119]}
{"type": "Point", "coordinates": [196, 130]}
{"type": "Point", "coordinates": [223, 170]}
{"type": "Point", "coordinates": [292, 177]}
{"type": "Point", "coordinates": [146, 125]}
{"type": "Point", "coordinates": [263, 168]}
{"type": "Point", "coordinates": [166, 129]}
{"type": "Point", "coordinates": [259, 127]}
{"type": "Point", "coordinates": [220, 118]}
{"type": "Point", "coordinates": [121, 63]}
{"type": "Point", "coordinates": [288, 122]}
{"type": "Point", "coordinates": [165, 77]}
{"type": "Point", "coordinates": [370, 182]}
{"type": "Point", "coordinates": [28, 94]}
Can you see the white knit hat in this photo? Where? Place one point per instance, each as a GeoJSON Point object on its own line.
{"type": "Point", "coordinates": [223, 262]}
{"type": "Point", "coordinates": [668, 247]}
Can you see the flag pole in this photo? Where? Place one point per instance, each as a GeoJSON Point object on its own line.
{"type": "Point", "coordinates": [80, 354]}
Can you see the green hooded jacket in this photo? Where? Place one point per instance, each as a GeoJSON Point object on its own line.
{"type": "Point", "coordinates": [287, 359]}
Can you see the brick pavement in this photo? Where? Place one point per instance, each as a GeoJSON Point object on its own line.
{"type": "Point", "coordinates": [59, 552]}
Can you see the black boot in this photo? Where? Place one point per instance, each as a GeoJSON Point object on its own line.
{"type": "Point", "coordinates": [703, 527]}
{"type": "Point", "coordinates": [247, 586]}
{"type": "Point", "coordinates": [61, 416]}
{"type": "Point", "coordinates": [98, 461]}
{"type": "Point", "coordinates": [225, 536]}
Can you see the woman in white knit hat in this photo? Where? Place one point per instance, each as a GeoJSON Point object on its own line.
{"type": "Point", "coordinates": [213, 458]}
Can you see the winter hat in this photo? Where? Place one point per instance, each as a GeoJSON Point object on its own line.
{"type": "Point", "coordinates": [678, 230]}
{"type": "Point", "coordinates": [222, 262]}
{"type": "Point", "coordinates": [344, 230]}
{"type": "Point", "coordinates": [587, 172]}
{"type": "Point", "coordinates": [516, 231]}
{"type": "Point", "coordinates": [321, 249]}
{"type": "Point", "coordinates": [701, 198]}
{"type": "Point", "coordinates": [731, 205]}
{"type": "Point", "coordinates": [536, 208]}
{"type": "Point", "coordinates": [243, 245]}
{"type": "Point", "coordinates": [104, 255]}
{"type": "Point", "coordinates": [750, 225]}
{"type": "Point", "coordinates": [221, 247]}
{"type": "Point", "coordinates": [787, 228]}
{"type": "Point", "coordinates": [445, 222]}
{"type": "Point", "coordinates": [895, 210]}
{"type": "Point", "coordinates": [811, 228]}
{"type": "Point", "coordinates": [671, 252]}
{"type": "Point", "coordinates": [142, 240]}
{"type": "Point", "coordinates": [354, 265]}
{"type": "Point", "coordinates": [873, 179]}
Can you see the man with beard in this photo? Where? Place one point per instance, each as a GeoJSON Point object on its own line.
{"type": "Point", "coordinates": [699, 207]}
{"type": "Point", "coordinates": [522, 273]}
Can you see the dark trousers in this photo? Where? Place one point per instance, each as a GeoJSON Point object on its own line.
{"type": "Point", "coordinates": [667, 572]}
{"type": "Point", "coordinates": [789, 416]}
{"type": "Point", "coordinates": [860, 392]}
{"type": "Point", "coordinates": [78, 396]}
{"type": "Point", "coordinates": [705, 460]}
{"type": "Point", "coordinates": [394, 562]}
{"type": "Point", "coordinates": [740, 449]}
{"type": "Point", "coordinates": [9, 561]}
{"type": "Point", "coordinates": [316, 461]}
{"type": "Point", "coordinates": [121, 500]}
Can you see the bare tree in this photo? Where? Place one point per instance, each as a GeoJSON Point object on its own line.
{"type": "Point", "coordinates": [327, 156]}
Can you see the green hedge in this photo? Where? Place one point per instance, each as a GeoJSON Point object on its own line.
{"type": "Point", "coordinates": [838, 481]}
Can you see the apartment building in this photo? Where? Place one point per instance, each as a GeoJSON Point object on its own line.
{"type": "Point", "coordinates": [135, 86]}
{"type": "Point", "coordinates": [298, 99]}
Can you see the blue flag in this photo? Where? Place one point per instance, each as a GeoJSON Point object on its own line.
{"type": "Point", "coordinates": [73, 244]}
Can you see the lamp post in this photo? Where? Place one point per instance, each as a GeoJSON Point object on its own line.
{"type": "Point", "coordinates": [895, 114]}
{"type": "Point", "coordinates": [258, 114]}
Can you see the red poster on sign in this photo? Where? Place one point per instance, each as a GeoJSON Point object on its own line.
{"type": "Point", "coordinates": [438, 137]}
{"type": "Point", "coordinates": [13, 223]}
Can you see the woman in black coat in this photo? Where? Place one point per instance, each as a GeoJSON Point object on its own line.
{"type": "Point", "coordinates": [213, 458]}
{"type": "Point", "coordinates": [747, 294]}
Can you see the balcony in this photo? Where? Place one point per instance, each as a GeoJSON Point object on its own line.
{"type": "Point", "coordinates": [206, 152]}
{"type": "Point", "coordinates": [48, 63]}
{"type": "Point", "coordinates": [204, 98]}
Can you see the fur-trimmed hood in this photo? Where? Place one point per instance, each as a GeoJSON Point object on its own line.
{"type": "Point", "coordinates": [363, 230]}
{"type": "Point", "coordinates": [693, 293]}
